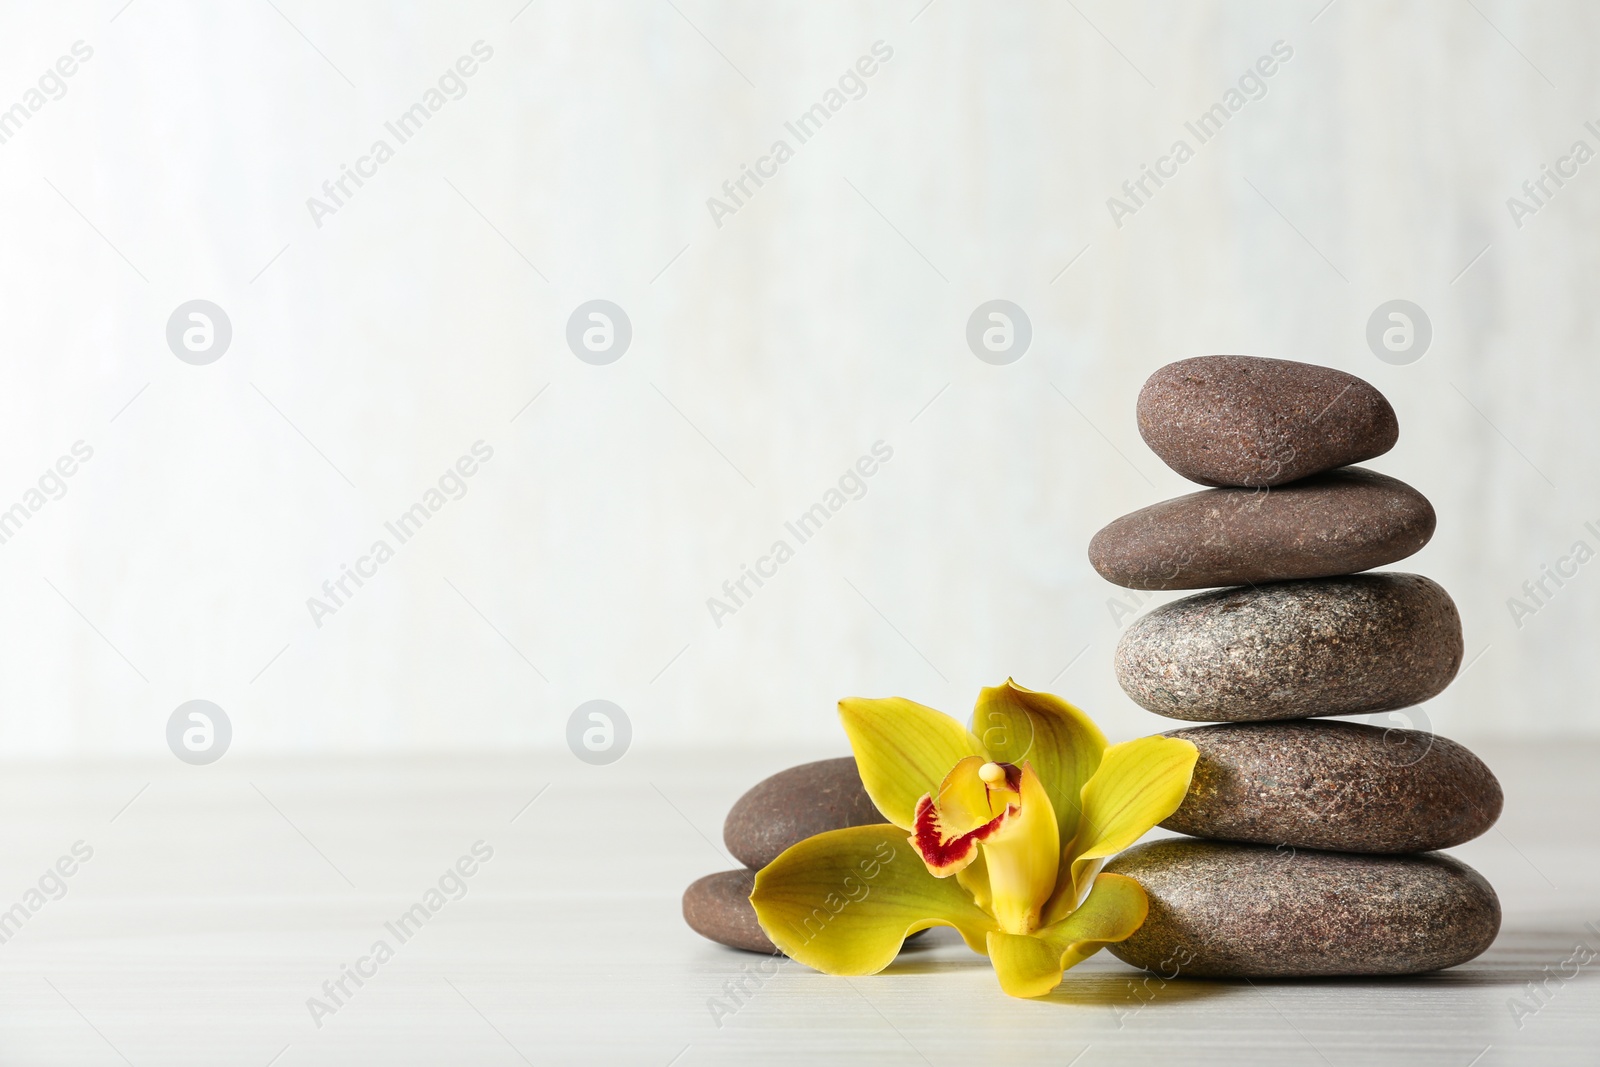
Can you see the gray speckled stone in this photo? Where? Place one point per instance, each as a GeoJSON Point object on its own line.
{"type": "Point", "coordinates": [796, 804]}
{"type": "Point", "coordinates": [1338, 522]}
{"type": "Point", "coordinates": [718, 907]}
{"type": "Point", "coordinates": [1291, 650]}
{"type": "Point", "coordinates": [1248, 911]}
{"type": "Point", "coordinates": [1243, 420]}
{"type": "Point", "coordinates": [1345, 786]}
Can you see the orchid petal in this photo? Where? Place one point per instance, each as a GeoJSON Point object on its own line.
{"type": "Point", "coordinates": [1031, 965]}
{"type": "Point", "coordinates": [844, 901]}
{"type": "Point", "coordinates": [903, 751]}
{"type": "Point", "coordinates": [1139, 783]}
{"type": "Point", "coordinates": [974, 878]}
{"type": "Point", "coordinates": [1026, 966]}
{"type": "Point", "coordinates": [1023, 859]}
{"type": "Point", "coordinates": [1115, 907]}
{"type": "Point", "coordinates": [1018, 725]}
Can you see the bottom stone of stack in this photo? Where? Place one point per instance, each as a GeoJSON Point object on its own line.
{"type": "Point", "coordinates": [1252, 911]}
{"type": "Point", "coordinates": [717, 907]}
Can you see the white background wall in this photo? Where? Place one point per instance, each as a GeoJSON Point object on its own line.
{"type": "Point", "coordinates": [768, 353]}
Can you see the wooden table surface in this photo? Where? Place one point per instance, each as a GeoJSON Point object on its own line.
{"type": "Point", "coordinates": [218, 900]}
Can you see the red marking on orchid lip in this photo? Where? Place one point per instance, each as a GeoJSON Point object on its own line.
{"type": "Point", "coordinates": [948, 855]}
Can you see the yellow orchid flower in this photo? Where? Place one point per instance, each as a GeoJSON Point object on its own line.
{"type": "Point", "coordinates": [1009, 823]}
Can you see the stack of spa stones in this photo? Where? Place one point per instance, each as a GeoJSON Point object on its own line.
{"type": "Point", "coordinates": [778, 812]}
{"type": "Point", "coordinates": [1311, 847]}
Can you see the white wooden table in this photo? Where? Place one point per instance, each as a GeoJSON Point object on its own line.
{"type": "Point", "coordinates": [222, 898]}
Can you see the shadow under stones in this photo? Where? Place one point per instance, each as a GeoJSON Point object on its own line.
{"type": "Point", "coordinates": [1559, 951]}
{"type": "Point", "coordinates": [1563, 949]}
{"type": "Point", "coordinates": [1129, 993]}
{"type": "Point", "coordinates": [1566, 951]}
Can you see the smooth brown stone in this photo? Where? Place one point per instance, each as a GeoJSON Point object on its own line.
{"type": "Point", "coordinates": [718, 907]}
{"type": "Point", "coordinates": [1344, 786]}
{"type": "Point", "coordinates": [1293, 650]}
{"type": "Point", "coordinates": [1338, 522]}
{"type": "Point", "coordinates": [1247, 911]}
{"type": "Point", "coordinates": [796, 804]}
{"type": "Point", "coordinates": [1244, 420]}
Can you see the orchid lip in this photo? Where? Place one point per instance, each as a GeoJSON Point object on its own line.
{"type": "Point", "coordinates": [945, 853]}
{"type": "Point", "coordinates": [945, 856]}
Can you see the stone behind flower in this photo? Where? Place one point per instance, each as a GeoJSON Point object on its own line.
{"type": "Point", "coordinates": [795, 804]}
{"type": "Point", "coordinates": [717, 907]}
{"type": "Point", "coordinates": [775, 813]}
{"type": "Point", "coordinates": [1344, 786]}
{"type": "Point", "coordinates": [1229, 911]}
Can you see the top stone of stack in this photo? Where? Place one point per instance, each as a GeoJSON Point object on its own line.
{"type": "Point", "coordinates": [1253, 422]}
